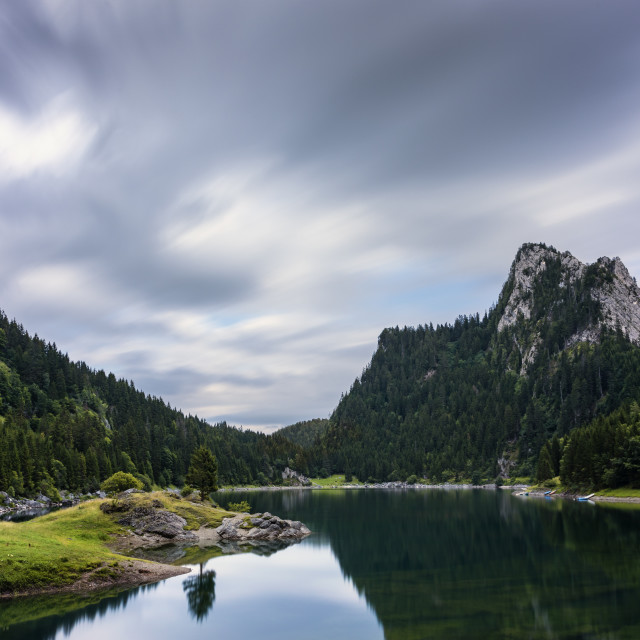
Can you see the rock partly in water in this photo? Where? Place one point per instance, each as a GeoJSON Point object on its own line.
{"type": "Point", "coordinates": [261, 526]}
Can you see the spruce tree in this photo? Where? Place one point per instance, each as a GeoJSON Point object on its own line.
{"type": "Point", "coordinates": [203, 472]}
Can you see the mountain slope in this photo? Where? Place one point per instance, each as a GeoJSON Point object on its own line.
{"type": "Point", "coordinates": [558, 349]}
{"type": "Point", "coordinates": [66, 426]}
{"type": "Point", "coordinates": [305, 433]}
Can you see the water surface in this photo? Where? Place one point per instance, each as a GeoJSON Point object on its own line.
{"type": "Point", "coordinates": [22, 515]}
{"type": "Point", "coordinates": [410, 564]}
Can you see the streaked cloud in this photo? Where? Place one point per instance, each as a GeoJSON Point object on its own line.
{"type": "Point", "coordinates": [227, 202]}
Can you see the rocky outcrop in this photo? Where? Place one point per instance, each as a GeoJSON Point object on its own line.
{"type": "Point", "coordinates": [530, 262]}
{"type": "Point", "coordinates": [260, 526]}
{"type": "Point", "coordinates": [609, 284]}
{"type": "Point", "coordinates": [620, 299]}
{"type": "Point", "coordinates": [294, 478]}
{"type": "Point", "coordinates": [153, 521]}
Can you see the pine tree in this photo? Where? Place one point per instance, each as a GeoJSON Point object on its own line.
{"type": "Point", "coordinates": [545, 466]}
{"type": "Point", "coordinates": [203, 472]}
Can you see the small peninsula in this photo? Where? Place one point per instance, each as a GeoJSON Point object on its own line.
{"type": "Point", "coordinates": [83, 548]}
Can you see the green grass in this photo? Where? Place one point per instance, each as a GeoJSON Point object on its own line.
{"type": "Point", "coordinates": [553, 483]}
{"type": "Point", "coordinates": [57, 549]}
{"type": "Point", "coordinates": [518, 480]}
{"type": "Point", "coordinates": [334, 480]}
{"type": "Point", "coordinates": [622, 492]}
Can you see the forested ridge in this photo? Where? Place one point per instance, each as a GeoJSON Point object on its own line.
{"type": "Point", "coordinates": [549, 392]}
{"type": "Point", "coordinates": [64, 425]}
{"type": "Point", "coordinates": [467, 400]}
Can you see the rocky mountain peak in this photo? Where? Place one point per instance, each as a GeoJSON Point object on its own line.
{"type": "Point", "coordinates": [607, 282]}
{"type": "Point", "coordinates": [531, 260]}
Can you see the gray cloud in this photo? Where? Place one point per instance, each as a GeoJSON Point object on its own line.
{"type": "Point", "coordinates": [228, 201]}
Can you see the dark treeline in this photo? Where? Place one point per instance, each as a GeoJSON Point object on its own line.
{"type": "Point", "coordinates": [66, 426]}
{"type": "Point", "coordinates": [448, 402]}
{"type": "Point", "coordinates": [305, 433]}
{"type": "Point", "coordinates": [603, 454]}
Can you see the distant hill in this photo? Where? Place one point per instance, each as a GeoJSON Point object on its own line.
{"type": "Point", "coordinates": [485, 395]}
{"type": "Point", "coordinates": [305, 433]}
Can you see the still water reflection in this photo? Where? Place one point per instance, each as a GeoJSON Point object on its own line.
{"type": "Point", "coordinates": [395, 564]}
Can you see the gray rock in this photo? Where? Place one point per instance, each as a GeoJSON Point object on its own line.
{"type": "Point", "coordinates": [295, 478]}
{"type": "Point", "coordinates": [270, 527]}
{"type": "Point", "coordinates": [156, 521]}
{"type": "Point", "coordinates": [617, 292]}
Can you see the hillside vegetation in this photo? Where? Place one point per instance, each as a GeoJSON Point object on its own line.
{"type": "Point", "coordinates": [305, 433]}
{"type": "Point", "coordinates": [483, 396]}
{"type": "Point", "coordinates": [64, 425]}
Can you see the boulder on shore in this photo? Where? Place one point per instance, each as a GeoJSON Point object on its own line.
{"type": "Point", "coordinates": [157, 522]}
{"type": "Point", "coordinates": [261, 526]}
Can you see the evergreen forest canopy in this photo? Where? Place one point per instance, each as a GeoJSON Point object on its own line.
{"type": "Point", "coordinates": [305, 433]}
{"type": "Point", "coordinates": [66, 426]}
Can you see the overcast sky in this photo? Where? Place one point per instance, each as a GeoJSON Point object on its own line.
{"type": "Point", "coordinates": [228, 201]}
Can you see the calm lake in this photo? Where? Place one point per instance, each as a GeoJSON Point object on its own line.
{"type": "Point", "coordinates": [395, 564]}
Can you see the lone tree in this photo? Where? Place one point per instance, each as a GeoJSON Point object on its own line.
{"type": "Point", "coordinates": [203, 472]}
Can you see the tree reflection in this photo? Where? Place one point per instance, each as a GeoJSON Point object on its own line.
{"type": "Point", "coordinates": [201, 593]}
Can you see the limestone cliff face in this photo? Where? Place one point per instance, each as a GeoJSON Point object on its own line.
{"type": "Point", "coordinates": [607, 282]}
{"type": "Point", "coordinates": [620, 299]}
{"type": "Point", "coordinates": [530, 262]}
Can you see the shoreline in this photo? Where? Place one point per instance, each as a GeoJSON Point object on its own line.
{"type": "Point", "coordinates": [445, 487]}
{"type": "Point", "coordinates": [134, 572]}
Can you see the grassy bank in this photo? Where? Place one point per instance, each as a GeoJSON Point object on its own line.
{"type": "Point", "coordinates": [621, 493]}
{"type": "Point", "coordinates": [62, 548]}
{"type": "Point", "coordinates": [625, 492]}
{"type": "Point", "coordinates": [335, 480]}
{"type": "Point", "coordinates": [56, 549]}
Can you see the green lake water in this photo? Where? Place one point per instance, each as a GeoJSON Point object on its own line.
{"type": "Point", "coordinates": [395, 564]}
